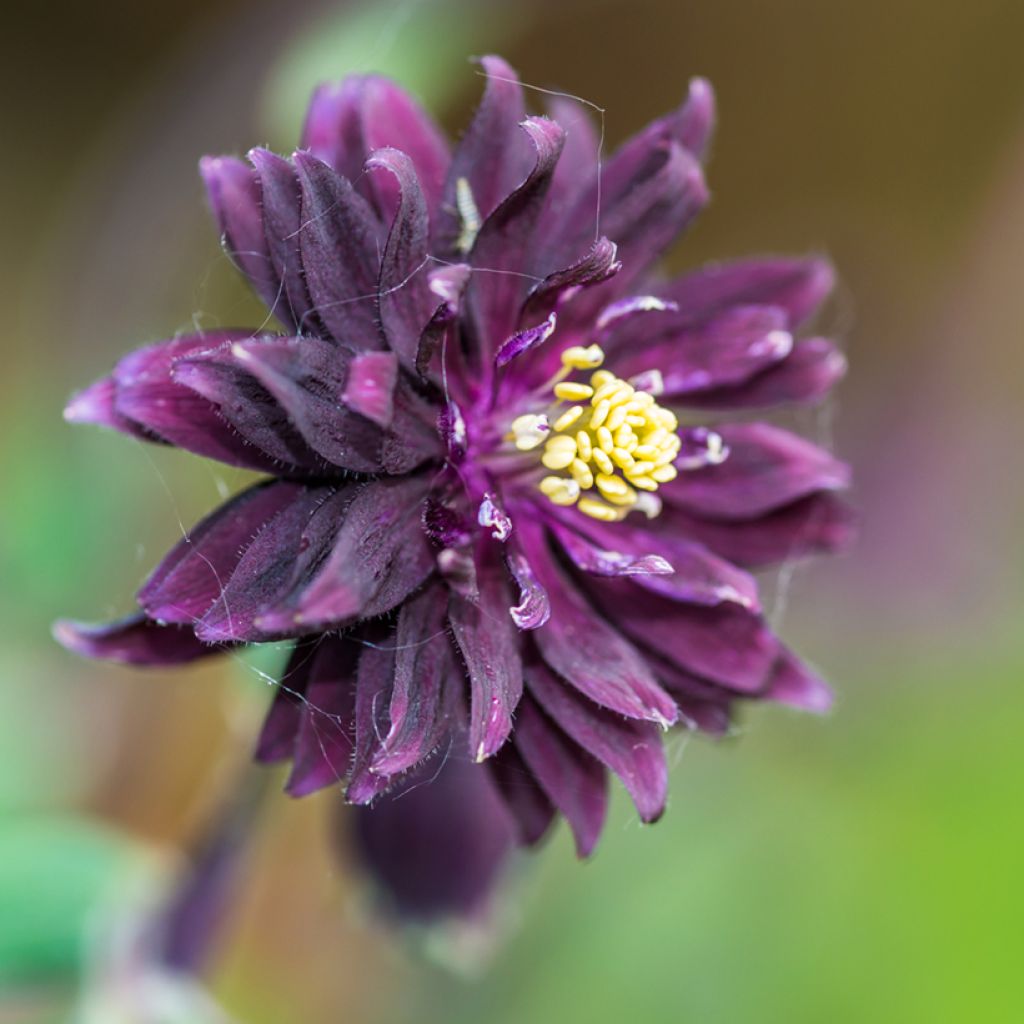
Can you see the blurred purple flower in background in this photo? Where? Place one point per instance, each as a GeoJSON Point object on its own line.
{"type": "Point", "coordinates": [507, 520]}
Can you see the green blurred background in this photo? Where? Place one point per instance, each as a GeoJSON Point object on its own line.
{"type": "Point", "coordinates": [861, 868]}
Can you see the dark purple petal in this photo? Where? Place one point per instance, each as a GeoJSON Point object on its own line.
{"type": "Point", "coordinates": [348, 120]}
{"type": "Point", "coordinates": [525, 341]}
{"type": "Point", "coordinates": [282, 217]}
{"type": "Point", "coordinates": [427, 680]}
{"type": "Point", "coordinates": [581, 646]}
{"type": "Point", "coordinates": [340, 241]}
{"type": "Point", "coordinates": [273, 566]}
{"type": "Point", "coordinates": [794, 683]}
{"type": "Point", "coordinates": [725, 644]}
{"type": "Point", "coordinates": [664, 563]}
{"type": "Point", "coordinates": [146, 396]}
{"type": "Point", "coordinates": [796, 285]}
{"type": "Point", "coordinates": [530, 809]}
{"type": "Point", "coordinates": [436, 845]}
{"type": "Point", "coordinates": [807, 376]}
{"type": "Point", "coordinates": [135, 640]}
{"type": "Point", "coordinates": [645, 196]}
{"type": "Point", "coordinates": [574, 781]}
{"type": "Point", "coordinates": [379, 557]}
{"type": "Point", "coordinates": [727, 350]}
{"type": "Point", "coordinates": [818, 523]}
{"type": "Point", "coordinates": [187, 582]}
{"type": "Point", "coordinates": [629, 748]}
{"type": "Point", "coordinates": [405, 300]}
{"type": "Point", "coordinates": [489, 642]}
{"type": "Point", "coordinates": [767, 468]}
{"type": "Point", "coordinates": [280, 730]}
{"type": "Point", "coordinates": [374, 683]}
{"type": "Point", "coordinates": [490, 156]}
{"type": "Point", "coordinates": [580, 156]}
{"type": "Point", "coordinates": [502, 244]}
{"type": "Point", "coordinates": [234, 193]}
{"type": "Point", "coordinates": [325, 740]}
{"type": "Point", "coordinates": [598, 265]}
{"type": "Point", "coordinates": [533, 609]}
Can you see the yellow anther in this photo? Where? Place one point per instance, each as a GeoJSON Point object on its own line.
{"type": "Point", "coordinates": [560, 490]}
{"type": "Point", "coordinates": [584, 445]}
{"type": "Point", "coordinates": [617, 417]}
{"type": "Point", "coordinates": [645, 483]}
{"type": "Point", "coordinates": [581, 473]}
{"type": "Point", "coordinates": [559, 452]}
{"type": "Point", "coordinates": [599, 510]}
{"type": "Point", "coordinates": [622, 459]}
{"type": "Point", "coordinates": [611, 439]}
{"type": "Point", "coordinates": [613, 387]}
{"type": "Point", "coordinates": [604, 463]}
{"type": "Point", "coordinates": [568, 418]}
{"type": "Point", "coordinates": [569, 391]}
{"type": "Point", "coordinates": [580, 358]}
{"type": "Point", "coordinates": [529, 431]}
{"type": "Point", "coordinates": [600, 413]}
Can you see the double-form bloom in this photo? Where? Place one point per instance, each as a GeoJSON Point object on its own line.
{"type": "Point", "coordinates": [514, 493]}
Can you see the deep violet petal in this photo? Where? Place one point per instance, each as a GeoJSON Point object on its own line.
{"type": "Point", "coordinates": [135, 640]}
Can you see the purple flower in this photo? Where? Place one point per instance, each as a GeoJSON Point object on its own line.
{"type": "Point", "coordinates": [514, 492]}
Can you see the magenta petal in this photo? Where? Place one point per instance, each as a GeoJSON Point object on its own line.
{"type": "Point", "coordinates": [600, 263]}
{"type": "Point", "coordinates": [815, 524]}
{"type": "Point", "coordinates": [489, 642]}
{"type": "Point", "coordinates": [665, 563]}
{"type": "Point", "coordinates": [725, 644]}
{"type": "Point", "coordinates": [798, 286]}
{"type": "Point", "coordinates": [340, 241]}
{"type": "Point", "coordinates": [98, 404]}
{"type": "Point", "coordinates": [135, 640]}
{"type": "Point", "coordinates": [727, 350]}
{"type": "Point", "coordinates": [188, 581]}
{"type": "Point", "coordinates": [807, 376]}
{"type": "Point", "coordinates": [370, 386]}
{"type": "Point", "coordinates": [581, 646]}
{"type": "Point", "coordinates": [325, 740]}
{"type": "Point", "coordinates": [427, 680]}
{"type": "Point", "coordinates": [533, 609]}
{"type": "Point", "coordinates": [574, 781]}
{"type": "Point", "coordinates": [379, 557]}
{"type": "Point", "coordinates": [235, 197]}
{"type": "Point", "coordinates": [767, 468]}
{"type": "Point", "coordinates": [629, 748]}
{"type": "Point", "coordinates": [793, 682]}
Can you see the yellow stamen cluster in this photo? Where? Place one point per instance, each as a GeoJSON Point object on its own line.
{"type": "Point", "coordinates": [613, 445]}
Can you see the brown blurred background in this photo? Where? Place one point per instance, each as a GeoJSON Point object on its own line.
{"type": "Point", "coordinates": [860, 868]}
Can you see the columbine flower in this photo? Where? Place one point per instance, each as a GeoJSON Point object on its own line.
{"type": "Point", "coordinates": [506, 516]}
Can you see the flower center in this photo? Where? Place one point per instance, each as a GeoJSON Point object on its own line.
{"type": "Point", "coordinates": [607, 442]}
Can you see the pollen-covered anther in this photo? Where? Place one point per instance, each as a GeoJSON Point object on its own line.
{"type": "Point", "coordinates": [613, 444]}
